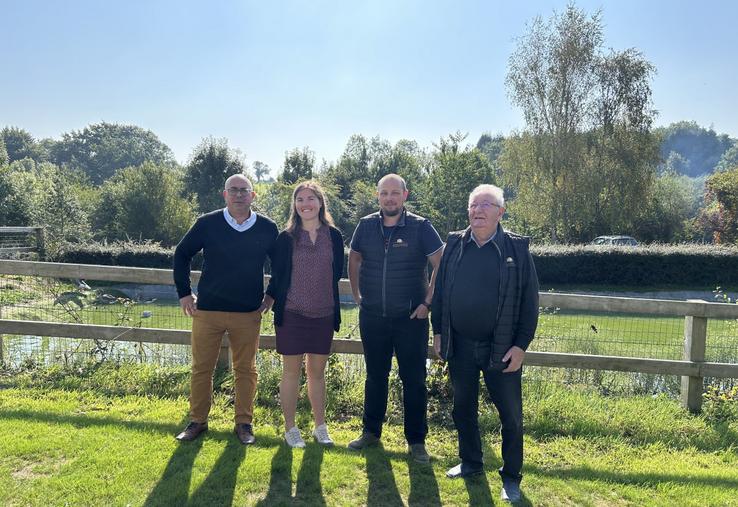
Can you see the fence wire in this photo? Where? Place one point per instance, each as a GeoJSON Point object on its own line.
{"type": "Point", "coordinates": [156, 306]}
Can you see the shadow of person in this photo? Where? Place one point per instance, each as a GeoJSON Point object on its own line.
{"type": "Point", "coordinates": [309, 489]}
{"type": "Point", "coordinates": [478, 489]}
{"type": "Point", "coordinates": [219, 486]}
{"type": "Point", "coordinates": [280, 479]}
{"type": "Point", "coordinates": [423, 485]}
{"type": "Point", "coordinates": [382, 491]}
{"type": "Point", "coordinates": [173, 487]}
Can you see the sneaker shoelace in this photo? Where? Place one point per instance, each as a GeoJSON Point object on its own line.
{"type": "Point", "coordinates": [321, 433]}
{"type": "Point", "coordinates": [293, 438]}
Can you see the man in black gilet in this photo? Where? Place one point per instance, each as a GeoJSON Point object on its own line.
{"type": "Point", "coordinates": [485, 313]}
{"type": "Point", "coordinates": [388, 271]}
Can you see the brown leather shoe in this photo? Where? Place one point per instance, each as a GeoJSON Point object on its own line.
{"type": "Point", "coordinates": [245, 434]}
{"type": "Point", "coordinates": [192, 431]}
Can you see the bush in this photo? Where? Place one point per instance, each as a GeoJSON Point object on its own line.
{"type": "Point", "coordinates": [647, 266]}
{"type": "Point", "coordinates": [652, 265]}
{"type": "Point", "coordinates": [143, 202]}
{"type": "Point", "coordinates": [120, 253]}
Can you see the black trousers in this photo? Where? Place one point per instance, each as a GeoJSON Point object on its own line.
{"type": "Point", "coordinates": [468, 359]}
{"type": "Point", "coordinates": [408, 339]}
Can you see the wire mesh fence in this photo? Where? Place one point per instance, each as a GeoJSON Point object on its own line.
{"type": "Point", "coordinates": [128, 306]}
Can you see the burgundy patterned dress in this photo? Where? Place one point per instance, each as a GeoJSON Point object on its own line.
{"type": "Point", "coordinates": [308, 315]}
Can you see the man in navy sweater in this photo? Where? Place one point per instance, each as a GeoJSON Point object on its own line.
{"type": "Point", "coordinates": [235, 242]}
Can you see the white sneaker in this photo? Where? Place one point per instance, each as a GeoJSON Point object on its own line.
{"type": "Point", "coordinates": [293, 438]}
{"type": "Point", "coordinates": [321, 435]}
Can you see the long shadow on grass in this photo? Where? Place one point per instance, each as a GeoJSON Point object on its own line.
{"type": "Point", "coordinates": [219, 485]}
{"type": "Point", "coordinates": [174, 486]}
{"type": "Point", "coordinates": [383, 490]}
{"type": "Point", "coordinates": [280, 479]}
{"type": "Point", "coordinates": [423, 486]}
{"type": "Point", "coordinates": [478, 490]}
{"type": "Point", "coordinates": [308, 489]}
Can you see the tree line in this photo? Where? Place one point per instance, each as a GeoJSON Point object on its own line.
{"type": "Point", "coordinates": [588, 162]}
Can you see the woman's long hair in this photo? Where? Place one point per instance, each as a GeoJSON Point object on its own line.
{"type": "Point", "coordinates": [294, 223]}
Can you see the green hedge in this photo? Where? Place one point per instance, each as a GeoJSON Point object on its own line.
{"type": "Point", "coordinates": [120, 253]}
{"type": "Point", "coordinates": [648, 266]}
{"type": "Point", "coordinates": [651, 266]}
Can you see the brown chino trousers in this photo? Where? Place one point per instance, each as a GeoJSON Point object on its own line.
{"type": "Point", "coordinates": [208, 328]}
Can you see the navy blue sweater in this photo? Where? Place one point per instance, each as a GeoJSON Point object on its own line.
{"type": "Point", "coordinates": [232, 277]}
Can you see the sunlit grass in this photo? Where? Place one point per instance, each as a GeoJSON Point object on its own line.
{"type": "Point", "coordinates": [84, 448]}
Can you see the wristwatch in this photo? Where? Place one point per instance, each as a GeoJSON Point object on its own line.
{"type": "Point", "coordinates": [427, 305]}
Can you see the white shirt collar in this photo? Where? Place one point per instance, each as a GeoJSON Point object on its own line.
{"type": "Point", "coordinates": [247, 224]}
{"type": "Point", "coordinates": [472, 237]}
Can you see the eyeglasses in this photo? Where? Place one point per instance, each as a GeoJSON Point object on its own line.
{"type": "Point", "coordinates": [236, 191]}
{"type": "Point", "coordinates": [483, 205]}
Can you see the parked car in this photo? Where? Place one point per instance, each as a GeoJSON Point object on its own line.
{"type": "Point", "coordinates": [615, 241]}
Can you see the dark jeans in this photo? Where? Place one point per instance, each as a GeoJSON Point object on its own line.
{"type": "Point", "coordinates": [408, 339]}
{"type": "Point", "coordinates": [468, 359]}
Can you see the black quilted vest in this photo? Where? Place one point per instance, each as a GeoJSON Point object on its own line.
{"type": "Point", "coordinates": [393, 280]}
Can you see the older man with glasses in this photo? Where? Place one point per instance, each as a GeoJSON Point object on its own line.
{"type": "Point", "coordinates": [484, 316]}
{"type": "Point", "coordinates": [235, 242]}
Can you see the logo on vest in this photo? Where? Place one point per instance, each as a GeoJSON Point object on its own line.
{"type": "Point", "coordinates": [400, 243]}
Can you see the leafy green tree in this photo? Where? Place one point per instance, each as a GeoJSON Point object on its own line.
{"type": "Point", "coordinates": [298, 166]}
{"type": "Point", "coordinates": [20, 144]}
{"type": "Point", "coordinates": [261, 170]}
{"type": "Point", "coordinates": [99, 150]}
{"type": "Point", "coordinates": [675, 163]}
{"type": "Point", "coordinates": [587, 154]}
{"type": "Point", "coordinates": [144, 202]}
{"type": "Point", "coordinates": [665, 215]}
{"type": "Point", "coordinates": [352, 166]}
{"type": "Point", "coordinates": [3, 154]}
{"type": "Point", "coordinates": [16, 207]}
{"type": "Point", "coordinates": [491, 146]}
{"type": "Point", "coordinates": [729, 160]}
{"type": "Point", "coordinates": [351, 182]}
{"type": "Point", "coordinates": [404, 158]}
{"type": "Point", "coordinates": [274, 201]}
{"type": "Point", "coordinates": [702, 148]}
{"type": "Point", "coordinates": [455, 172]}
{"type": "Point", "coordinates": [210, 165]}
{"type": "Point", "coordinates": [722, 189]}
{"type": "Point", "coordinates": [60, 208]}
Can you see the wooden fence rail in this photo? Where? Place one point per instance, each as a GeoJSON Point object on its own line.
{"type": "Point", "coordinates": [692, 368]}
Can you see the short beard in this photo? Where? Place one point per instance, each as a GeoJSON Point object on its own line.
{"type": "Point", "coordinates": [393, 213]}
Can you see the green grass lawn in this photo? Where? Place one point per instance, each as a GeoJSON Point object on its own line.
{"type": "Point", "coordinates": [81, 447]}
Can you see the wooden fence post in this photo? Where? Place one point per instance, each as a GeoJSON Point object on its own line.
{"type": "Point", "coordinates": [224, 358]}
{"type": "Point", "coordinates": [40, 244]}
{"type": "Point", "coordinates": [695, 339]}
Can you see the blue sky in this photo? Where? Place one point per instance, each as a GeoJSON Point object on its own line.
{"type": "Point", "coordinates": [271, 76]}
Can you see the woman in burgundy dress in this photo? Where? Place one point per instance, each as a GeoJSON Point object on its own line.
{"type": "Point", "coordinates": [306, 268]}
